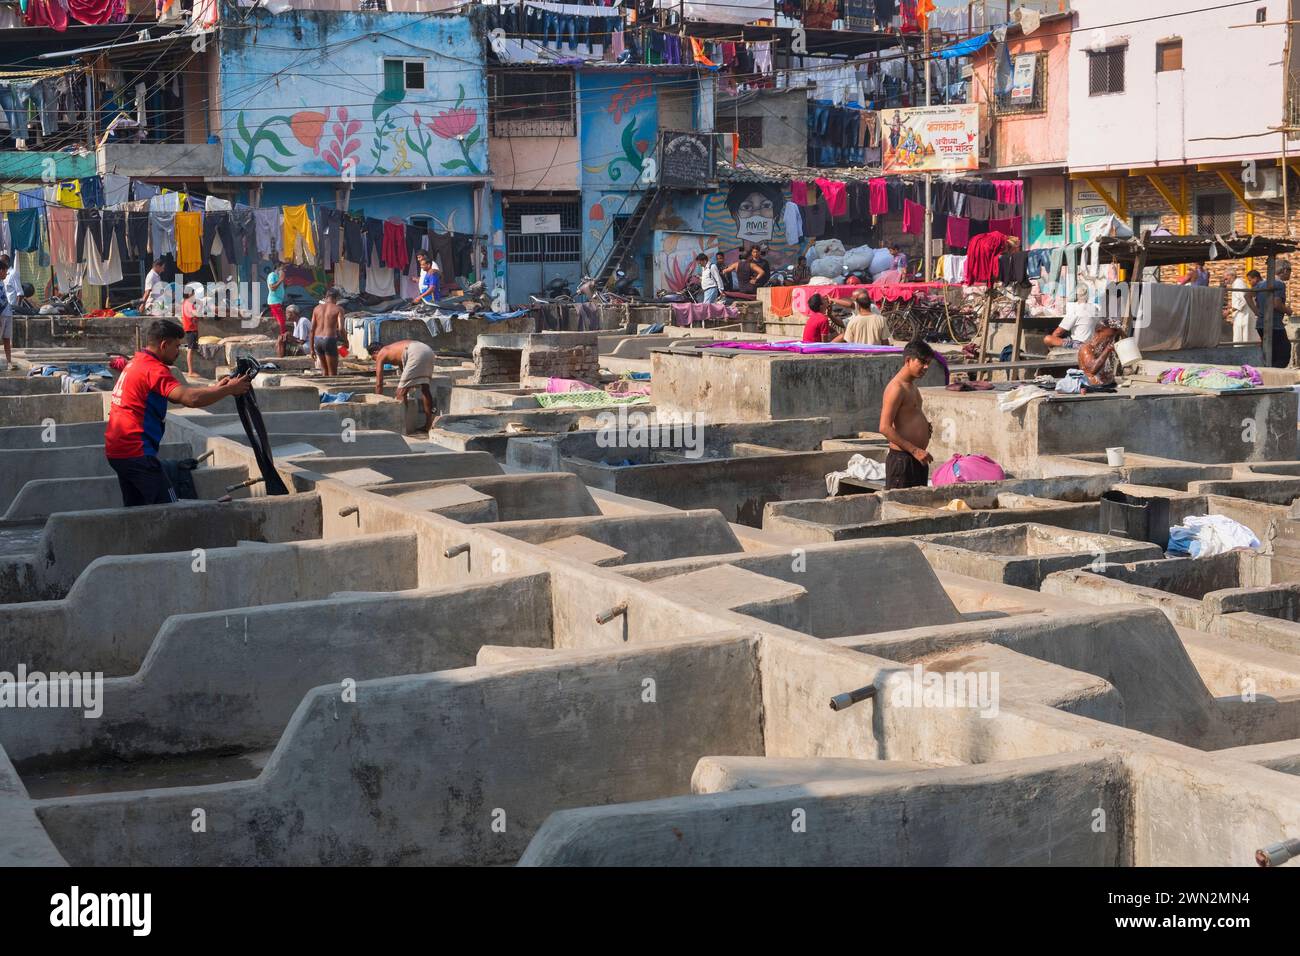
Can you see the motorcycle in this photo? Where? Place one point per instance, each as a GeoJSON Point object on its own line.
{"type": "Point", "coordinates": [557, 290]}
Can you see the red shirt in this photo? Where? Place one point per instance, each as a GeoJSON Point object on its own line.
{"type": "Point", "coordinates": [188, 322]}
{"type": "Point", "coordinates": [817, 328]}
{"type": "Point", "coordinates": [136, 417]}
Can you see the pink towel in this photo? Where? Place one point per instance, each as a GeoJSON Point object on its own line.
{"type": "Point", "coordinates": [913, 217]}
{"type": "Point", "coordinates": [837, 197]}
{"type": "Point", "coordinates": [799, 192]}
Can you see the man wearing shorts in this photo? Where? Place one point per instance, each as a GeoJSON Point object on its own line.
{"type": "Point", "coordinates": [326, 331]}
{"type": "Point", "coordinates": [903, 421]}
{"type": "Point", "coordinates": [137, 416]}
{"type": "Point", "coordinates": [275, 299]}
{"type": "Point", "coordinates": [417, 362]}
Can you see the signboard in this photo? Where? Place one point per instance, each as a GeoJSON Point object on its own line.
{"type": "Point", "coordinates": [931, 139]}
{"type": "Point", "coordinates": [754, 228]}
{"type": "Point", "coordinates": [535, 224]}
{"type": "Point", "coordinates": [685, 158]}
{"type": "Point", "coordinates": [1022, 81]}
{"type": "Point", "coordinates": [860, 15]}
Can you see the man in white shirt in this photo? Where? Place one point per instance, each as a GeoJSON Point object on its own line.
{"type": "Point", "coordinates": [1081, 320]}
{"type": "Point", "coordinates": [1240, 314]}
{"type": "Point", "coordinates": [11, 293]}
{"type": "Point", "coordinates": [710, 278]}
{"type": "Point", "coordinates": [155, 291]}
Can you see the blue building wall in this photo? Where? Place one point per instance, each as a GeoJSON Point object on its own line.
{"type": "Point", "coordinates": [303, 95]}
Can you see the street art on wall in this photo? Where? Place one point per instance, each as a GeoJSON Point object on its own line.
{"type": "Point", "coordinates": [620, 123]}
{"type": "Point", "coordinates": [380, 128]}
{"type": "Point", "coordinates": [743, 214]}
{"type": "Point", "coordinates": [675, 254]}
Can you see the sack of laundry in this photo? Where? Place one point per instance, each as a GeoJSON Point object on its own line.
{"type": "Point", "coordinates": [1202, 536]}
{"type": "Point", "coordinates": [967, 468]}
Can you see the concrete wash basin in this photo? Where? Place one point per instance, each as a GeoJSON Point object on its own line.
{"type": "Point", "coordinates": [1024, 554]}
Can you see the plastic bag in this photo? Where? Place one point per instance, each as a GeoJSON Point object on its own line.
{"type": "Point", "coordinates": [1202, 536]}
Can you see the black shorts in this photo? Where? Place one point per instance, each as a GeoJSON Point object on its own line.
{"type": "Point", "coordinates": [327, 345]}
{"type": "Point", "coordinates": [904, 471]}
{"type": "Point", "coordinates": [143, 481]}
{"type": "Point", "coordinates": [192, 341]}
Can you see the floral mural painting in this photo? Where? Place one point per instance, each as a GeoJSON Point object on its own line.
{"type": "Point", "coordinates": [623, 132]}
{"type": "Point", "coordinates": [460, 124]}
{"type": "Point", "coordinates": [435, 128]}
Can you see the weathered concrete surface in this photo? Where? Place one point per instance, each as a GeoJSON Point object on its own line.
{"type": "Point", "coordinates": [1021, 813]}
{"type": "Point", "coordinates": [43, 436]}
{"type": "Point", "coordinates": [420, 764]}
{"type": "Point", "coordinates": [639, 538]}
{"type": "Point", "coordinates": [21, 465]}
{"type": "Point", "coordinates": [41, 498]}
{"type": "Point", "coordinates": [1159, 420]}
{"type": "Point", "coordinates": [412, 467]}
{"type": "Point", "coordinates": [1024, 554]}
{"type": "Point", "coordinates": [61, 409]}
{"type": "Point", "coordinates": [71, 540]}
{"type": "Point", "coordinates": [723, 774]}
{"type": "Point", "coordinates": [25, 841]}
{"type": "Point", "coordinates": [517, 497]}
{"type": "Point", "coordinates": [741, 386]}
{"type": "Point", "coordinates": [90, 630]}
{"type": "Point", "coordinates": [230, 681]}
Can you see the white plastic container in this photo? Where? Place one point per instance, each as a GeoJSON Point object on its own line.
{"type": "Point", "coordinates": [1115, 456]}
{"type": "Point", "coordinates": [1128, 351]}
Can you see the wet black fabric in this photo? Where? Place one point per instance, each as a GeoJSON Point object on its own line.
{"type": "Point", "coordinates": [216, 225]}
{"type": "Point", "coordinates": [353, 250]}
{"type": "Point", "coordinates": [250, 416]}
{"type": "Point", "coordinates": [137, 235]}
{"type": "Point", "coordinates": [374, 240]}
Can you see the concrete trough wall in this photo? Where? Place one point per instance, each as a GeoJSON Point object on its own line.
{"type": "Point", "coordinates": [640, 538]}
{"type": "Point", "coordinates": [208, 686]}
{"type": "Point", "coordinates": [61, 409]}
{"type": "Point", "coordinates": [71, 540]}
{"type": "Point", "coordinates": [90, 630]}
{"type": "Point", "coordinates": [18, 466]}
{"type": "Point", "coordinates": [742, 386]}
{"type": "Point", "coordinates": [41, 498]}
{"type": "Point", "coordinates": [517, 497]}
{"type": "Point", "coordinates": [1026, 813]}
{"type": "Point", "coordinates": [422, 766]}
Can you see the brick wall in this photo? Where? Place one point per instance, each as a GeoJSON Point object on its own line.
{"type": "Point", "coordinates": [539, 364]}
{"type": "Point", "coordinates": [1143, 198]}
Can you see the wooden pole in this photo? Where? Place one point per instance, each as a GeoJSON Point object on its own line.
{"type": "Point", "coordinates": [1139, 266]}
{"type": "Point", "coordinates": [984, 328]}
{"type": "Point", "coordinates": [1015, 335]}
{"type": "Point", "coordinates": [1266, 333]}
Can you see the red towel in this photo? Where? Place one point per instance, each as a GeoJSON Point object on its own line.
{"type": "Point", "coordinates": [799, 192]}
{"type": "Point", "coordinates": [982, 257]}
{"type": "Point", "coordinates": [879, 197]}
{"type": "Point", "coordinates": [913, 217]}
{"type": "Point", "coordinates": [1008, 227]}
{"type": "Point", "coordinates": [958, 232]}
{"type": "Point", "coordinates": [395, 254]}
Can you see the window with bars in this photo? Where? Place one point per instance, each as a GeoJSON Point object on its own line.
{"type": "Point", "coordinates": [532, 103]}
{"type": "Point", "coordinates": [1169, 56]}
{"type": "Point", "coordinates": [1213, 214]}
{"type": "Point", "coordinates": [402, 75]}
{"type": "Point", "coordinates": [750, 129]}
{"type": "Point", "coordinates": [1054, 224]}
{"type": "Point", "coordinates": [1106, 71]}
{"type": "Point", "coordinates": [568, 211]}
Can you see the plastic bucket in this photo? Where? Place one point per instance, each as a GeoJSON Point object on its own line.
{"type": "Point", "coordinates": [1128, 351]}
{"type": "Point", "coordinates": [1115, 456]}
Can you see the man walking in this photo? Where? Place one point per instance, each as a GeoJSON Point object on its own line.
{"type": "Point", "coordinates": [1260, 292]}
{"type": "Point", "coordinates": [710, 278]}
{"type": "Point", "coordinates": [417, 362]}
{"type": "Point", "coordinates": [138, 411]}
{"type": "Point", "coordinates": [327, 331]}
{"type": "Point", "coordinates": [275, 301]}
{"type": "Point", "coordinates": [903, 421]}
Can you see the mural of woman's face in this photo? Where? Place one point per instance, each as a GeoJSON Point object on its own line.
{"type": "Point", "coordinates": [756, 204]}
{"type": "Point", "coordinates": [755, 215]}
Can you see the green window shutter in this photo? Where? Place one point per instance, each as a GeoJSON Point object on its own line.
{"type": "Point", "coordinates": [394, 77]}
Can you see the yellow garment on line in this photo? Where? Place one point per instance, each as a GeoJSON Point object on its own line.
{"type": "Point", "coordinates": [8, 202]}
{"type": "Point", "coordinates": [70, 194]}
{"type": "Point", "coordinates": [295, 224]}
{"type": "Point", "coordinates": [189, 241]}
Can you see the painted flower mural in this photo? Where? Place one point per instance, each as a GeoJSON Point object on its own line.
{"type": "Point", "coordinates": [461, 124]}
{"type": "Point", "coordinates": [340, 151]}
{"type": "Point", "coordinates": [307, 126]}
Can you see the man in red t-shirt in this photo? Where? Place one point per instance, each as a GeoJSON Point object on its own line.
{"type": "Point", "coordinates": [137, 415]}
{"type": "Point", "coordinates": [818, 326]}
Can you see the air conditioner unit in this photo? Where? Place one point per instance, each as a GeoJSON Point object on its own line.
{"type": "Point", "coordinates": [1268, 185]}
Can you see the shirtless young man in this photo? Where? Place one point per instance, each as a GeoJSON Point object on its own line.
{"type": "Point", "coordinates": [417, 362]}
{"type": "Point", "coordinates": [327, 332]}
{"type": "Point", "coordinates": [904, 423]}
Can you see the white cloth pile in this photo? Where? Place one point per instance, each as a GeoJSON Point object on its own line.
{"type": "Point", "coordinates": [1202, 536]}
{"type": "Point", "coordinates": [860, 469]}
{"type": "Point", "coordinates": [1019, 397]}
